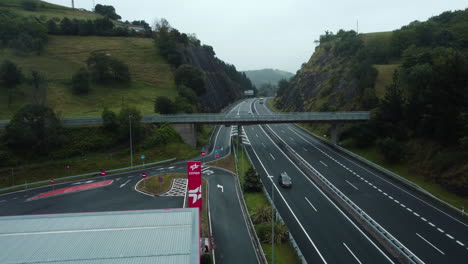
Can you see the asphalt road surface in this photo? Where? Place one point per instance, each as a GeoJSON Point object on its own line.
{"type": "Point", "coordinates": [431, 232]}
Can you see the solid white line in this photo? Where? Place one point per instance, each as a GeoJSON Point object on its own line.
{"type": "Point", "coordinates": [460, 243]}
{"type": "Point", "coordinates": [387, 181]}
{"type": "Point", "coordinates": [430, 244]}
{"type": "Point", "coordinates": [331, 202]}
{"type": "Point", "coordinates": [124, 184]}
{"type": "Point", "coordinates": [272, 156]}
{"type": "Point", "coordinates": [352, 185]}
{"type": "Point", "coordinates": [311, 204]}
{"type": "Point", "coordinates": [352, 253]}
{"type": "Point", "coordinates": [324, 164]}
{"type": "Point", "coordinates": [290, 209]}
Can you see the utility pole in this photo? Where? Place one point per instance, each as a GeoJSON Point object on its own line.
{"type": "Point", "coordinates": [73, 4]}
{"type": "Point", "coordinates": [272, 220]}
{"type": "Point", "coordinates": [357, 26]}
{"type": "Point", "coordinates": [131, 146]}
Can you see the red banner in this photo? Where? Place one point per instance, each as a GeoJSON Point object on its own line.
{"type": "Point", "coordinates": [194, 184]}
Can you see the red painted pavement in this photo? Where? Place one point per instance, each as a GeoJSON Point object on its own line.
{"type": "Point", "coordinates": [72, 189]}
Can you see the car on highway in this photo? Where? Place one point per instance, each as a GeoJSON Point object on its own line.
{"type": "Point", "coordinates": [284, 180]}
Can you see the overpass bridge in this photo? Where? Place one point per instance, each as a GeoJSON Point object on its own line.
{"type": "Point", "coordinates": [185, 123]}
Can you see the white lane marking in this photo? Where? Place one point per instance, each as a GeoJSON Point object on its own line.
{"type": "Point", "coordinates": [424, 219]}
{"type": "Point", "coordinates": [440, 230]}
{"type": "Point", "coordinates": [431, 224]}
{"type": "Point", "coordinates": [416, 214]}
{"type": "Point", "coordinates": [291, 138]}
{"type": "Point", "coordinates": [272, 156]}
{"type": "Point", "coordinates": [460, 243]}
{"type": "Point", "coordinates": [324, 164]}
{"type": "Point", "coordinates": [89, 181]}
{"type": "Point", "coordinates": [352, 185]}
{"type": "Point", "coordinates": [391, 198]}
{"type": "Point", "coordinates": [430, 244]}
{"type": "Point", "coordinates": [396, 201]}
{"type": "Point", "coordinates": [256, 134]}
{"type": "Point", "coordinates": [402, 205]}
{"type": "Point", "coordinates": [124, 184]}
{"type": "Point", "coordinates": [331, 202]}
{"type": "Point", "coordinates": [15, 198]}
{"type": "Point", "coordinates": [352, 253]}
{"type": "Point", "coordinates": [313, 207]}
{"type": "Point", "coordinates": [2, 201]}
{"type": "Point", "coordinates": [409, 209]}
{"type": "Point", "coordinates": [282, 131]}
{"type": "Point", "coordinates": [160, 169]}
{"type": "Point", "coordinates": [170, 168]}
{"type": "Point", "coordinates": [118, 179]}
{"type": "Point", "coordinates": [382, 178]}
{"type": "Point", "coordinates": [305, 149]}
{"type": "Point", "coordinates": [263, 145]}
{"type": "Point", "coordinates": [451, 237]}
{"type": "Point", "coordinates": [290, 209]}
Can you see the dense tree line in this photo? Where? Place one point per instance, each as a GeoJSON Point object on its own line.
{"type": "Point", "coordinates": [107, 11]}
{"type": "Point", "coordinates": [22, 35]}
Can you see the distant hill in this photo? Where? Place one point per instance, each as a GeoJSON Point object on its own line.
{"type": "Point", "coordinates": [267, 76]}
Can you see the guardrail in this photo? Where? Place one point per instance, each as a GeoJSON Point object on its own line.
{"type": "Point", "coordinates": [393, 175]}
{"type": "Point", "coordinates": [376, 227]}
{"type": "Point", "coordinates": [84, 175]}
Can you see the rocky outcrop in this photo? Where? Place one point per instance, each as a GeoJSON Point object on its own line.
{"type": "Point", "coordinates": [221, 89]}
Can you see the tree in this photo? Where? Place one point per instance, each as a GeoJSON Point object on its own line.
{"type": "Point", "coordinates": [38, 88]}
{"type": "Point", "coordinates": [164, 105]}
{"type": "Point", "coordinates": [390, 148]}
{"type": "Point", "coordinates": [252, 181]}
{"type": "Point", "coordinates": [109, 120]}
{"type": "Point", "coordinates": [104, 68]}
{"type": "Point", "coordinates": [191, 77]}
{"type": "Point", "coordinates": [34, 128]}
{"type": "Point", "coordinates": [107, 11]}
{"type": "Point", "coordinates": [10, 76]}
{"type": "Point", "coordinates": [80, 81]}
{"type": "Point", "coordinates": [282, 87]}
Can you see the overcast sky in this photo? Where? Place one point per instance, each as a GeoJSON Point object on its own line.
{"type": "Point", "coordinates": [280, 34]}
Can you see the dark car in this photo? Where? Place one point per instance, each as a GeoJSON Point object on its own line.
{"type": "Point", "coordinates": [284, 180]}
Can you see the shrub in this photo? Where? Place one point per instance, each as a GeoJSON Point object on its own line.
{"type": "Point", "coordinates": [164, 105]}
{"type": "Point", "coordinates": [109, 120]}
{"type": "Point", "coordinates": [391, 149]}
{"type": "Point", "coordinates": [80, 81]}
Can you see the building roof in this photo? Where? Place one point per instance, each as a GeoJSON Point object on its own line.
{"type": "Point", "coordinates": [151, 236]}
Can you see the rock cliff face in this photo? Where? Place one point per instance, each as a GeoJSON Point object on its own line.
{"type": "Point", "coordinates": [221, 88]}
{"type": "Point", "coordinates": [325, 83]}
{"type": "Point", "coordinates": [338, 76]}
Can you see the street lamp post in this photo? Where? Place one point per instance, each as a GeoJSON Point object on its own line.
{"type": "Point", "coordinates": [272, 219]}
{"type": "Point", "coordinates": [131, 146]}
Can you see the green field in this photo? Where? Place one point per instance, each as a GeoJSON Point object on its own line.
{"type": "Point", "coordinates": [151, 76]}
{"type": "Point", "coordinates": [47, 11]}
{"type": "Point", "coordinates": [384, 78]}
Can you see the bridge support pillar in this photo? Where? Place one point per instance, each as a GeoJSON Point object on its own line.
{"type": "Point", "coordinates": [188, 132]}
{"type": "Point", "coordinates": [335, 133]}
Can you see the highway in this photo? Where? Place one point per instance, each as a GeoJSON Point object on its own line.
{"type": "Point", "coordinates": [431, 232]}
{"type": "Point", "coordinates": [323, 232]}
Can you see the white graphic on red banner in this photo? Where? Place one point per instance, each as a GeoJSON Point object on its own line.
{"type": "Point", "coordinates": [194, 184]}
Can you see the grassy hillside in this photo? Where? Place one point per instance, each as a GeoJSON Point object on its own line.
{"type": "Point", "coordinates": [46, 11]}
{"type": "Point", "coordinates": [151, 75]}
{"type": "Point", "coordinates": [384, 78]}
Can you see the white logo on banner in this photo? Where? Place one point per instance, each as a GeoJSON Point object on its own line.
{"type": "Point", "coordinates": [195, 194]}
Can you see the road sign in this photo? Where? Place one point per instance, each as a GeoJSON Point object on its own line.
{"type": "Point", "coordinates": [144, 175]}
{"type": "Point", "coordinates": [103, 173]}
{"type": "Point", "coordinates": [68, 166]}
{"type": "Point", "coordinates": [160, 179]}
{"type": "Point", "coordinates": [142, 157]}
{"type": "Point", "coordinates": [52, 181]}
{"type": "Point", "coordinates": [194, 184]}
{"type": "Point", "coordinates": [216, 156]}
{"type": "Point", "coordinates": [203, 154]}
